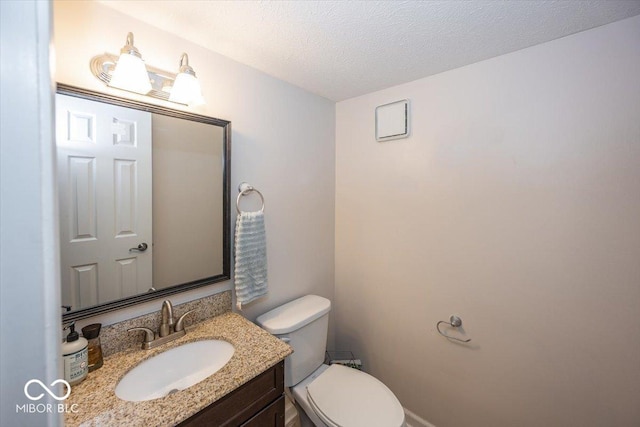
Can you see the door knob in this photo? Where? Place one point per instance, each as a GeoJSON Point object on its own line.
{"type": "Point", "coordinates": [141, 248]}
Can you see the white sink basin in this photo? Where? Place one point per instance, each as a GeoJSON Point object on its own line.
{"type": "Point", "coordinates": [175, 369]}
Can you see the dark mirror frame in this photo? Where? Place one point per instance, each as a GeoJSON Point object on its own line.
{"type": "Point", "coordinates": [226, 255]}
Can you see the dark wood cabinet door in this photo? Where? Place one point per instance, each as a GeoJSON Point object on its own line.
{"type": "Point", "coordinates": [243, 404]}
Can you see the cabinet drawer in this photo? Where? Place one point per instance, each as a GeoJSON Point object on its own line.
{"type": "Point", "coordinates": [271, 416]}
{"type": "Point", "coordinates": [242, 404]}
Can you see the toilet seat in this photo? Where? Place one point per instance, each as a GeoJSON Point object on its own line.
{"type": "Point", "coordinates": [346, 397]}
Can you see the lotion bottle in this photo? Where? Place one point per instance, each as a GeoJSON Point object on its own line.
{"type": "Point", "coordinates": [74, 354]}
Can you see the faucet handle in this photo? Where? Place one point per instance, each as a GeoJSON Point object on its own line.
{"type": "Point", "coordinates": [148, 336]}
{"type": "Point", "coordinates": [180, 323]}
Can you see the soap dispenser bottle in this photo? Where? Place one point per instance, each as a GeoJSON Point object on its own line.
{"type": "Point", "coordinates": [74, 354]}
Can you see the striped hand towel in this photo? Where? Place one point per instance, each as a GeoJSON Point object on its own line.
{"type": "Point", "coordinates": [250, 257]}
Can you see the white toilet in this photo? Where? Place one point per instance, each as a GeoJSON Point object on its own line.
{"type": "Point", "coordinates": [331, 396]}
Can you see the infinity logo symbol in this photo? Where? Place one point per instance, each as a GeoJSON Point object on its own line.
{"type": "Point", "coordinates": [47, 389]}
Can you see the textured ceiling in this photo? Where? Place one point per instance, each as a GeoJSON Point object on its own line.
{"type": "Point", "coordinates": [342, 49]}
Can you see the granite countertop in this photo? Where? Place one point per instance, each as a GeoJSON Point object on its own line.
{"type": "Point", "coordinates": [97, 405]}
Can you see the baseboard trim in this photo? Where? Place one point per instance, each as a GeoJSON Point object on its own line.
{"type": "Point", "coordinates": [412, 420]}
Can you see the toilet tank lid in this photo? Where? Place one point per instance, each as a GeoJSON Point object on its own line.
{"type": "Point", "coordinates": [294, 315]}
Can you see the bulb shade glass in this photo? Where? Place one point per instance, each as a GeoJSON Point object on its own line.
{"type": "Point", "coordinates": [131, 74]}
{"type": "Point", "coordinates": [186, 90]}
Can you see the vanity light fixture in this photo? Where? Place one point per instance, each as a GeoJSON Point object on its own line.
{"type": "Point", "coordinates": [129, 72]}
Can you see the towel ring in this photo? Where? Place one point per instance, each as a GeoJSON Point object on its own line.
{"type": "Point", "coordinates": [245, 189]}
{"type": "Point", "coordinates": [454, 322]}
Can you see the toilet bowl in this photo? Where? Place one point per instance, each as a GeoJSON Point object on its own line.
{"type": "Point", "coordinates": [331, 396]}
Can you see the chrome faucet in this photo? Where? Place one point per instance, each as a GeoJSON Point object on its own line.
{"type": "Point", "coordinates": [169, 329]}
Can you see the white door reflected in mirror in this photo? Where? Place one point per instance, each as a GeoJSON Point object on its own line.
{"type": "Point", "coordinates": [105, 187]}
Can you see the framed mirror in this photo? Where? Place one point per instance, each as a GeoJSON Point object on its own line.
{"type": "Point", "coordinates": [143, 194]}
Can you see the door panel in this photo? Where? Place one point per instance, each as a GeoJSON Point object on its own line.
{"type": "Point", "coordinates": [83, 198]}
{"type": "Point", "coordinates": [84, 283]}
{"type": "Point", "coordinates": [125, 197]}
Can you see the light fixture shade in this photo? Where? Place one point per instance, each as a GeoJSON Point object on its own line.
{"type": "Point", "coordinates": [131, 74]}
{"type": "Point", "coordinates": [186, 90]}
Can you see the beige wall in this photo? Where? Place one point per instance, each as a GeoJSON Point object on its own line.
{"type": "Point", "coordinates": [515, 204]}
{"type": "Point", "coordinates": [283, 143]}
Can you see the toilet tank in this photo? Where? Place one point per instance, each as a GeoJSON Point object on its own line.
{"type": "Point", "coordinates": [303, 323]}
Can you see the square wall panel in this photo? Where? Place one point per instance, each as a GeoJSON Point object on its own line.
{"type": "Point", "coordinates": [392, 120]}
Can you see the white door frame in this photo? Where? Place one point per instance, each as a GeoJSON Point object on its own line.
{"type": "Point", "coordinates": [29, 264]}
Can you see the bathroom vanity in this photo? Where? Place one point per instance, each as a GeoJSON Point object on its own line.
{"type": "Point", "coordinates": [247, 391]}
{"type": "Point", "coordinates": [171, 149]}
